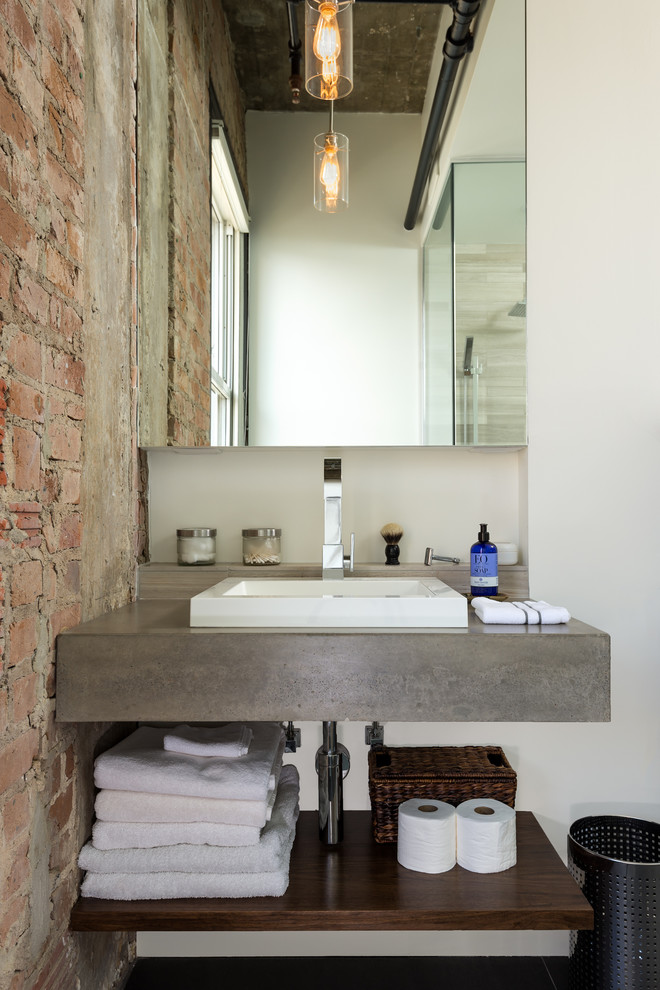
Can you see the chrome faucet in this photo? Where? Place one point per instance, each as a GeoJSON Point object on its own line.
{"type": "Point", "coordinates": [334, 561]}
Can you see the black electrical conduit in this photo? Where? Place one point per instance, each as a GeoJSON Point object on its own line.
{"type": "Point", "coordinates": [458, 41]}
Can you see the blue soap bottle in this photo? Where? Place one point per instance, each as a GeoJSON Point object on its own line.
{"type": "Point", "coordinates": [483, 564]}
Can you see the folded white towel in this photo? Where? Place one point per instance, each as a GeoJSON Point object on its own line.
{"type": "Point", "coordinates": [270, 853]}
{"type": "Point", "coordinates": [504, 613]}
{"type": "Point", "coordinates": [159, 886]}
{"type": "Point", "coordinates": [532, 617]}
{"type": "Point", "coordinates": [550, 614]}
{"type": "Point", "coordinates": [232, 739]}
{"type": "Point", "coordinates": [145, 835]}
{"type": "Point", "coordinates": [139, 763]}
{"type": "Point", "coordinates": [140, 806]}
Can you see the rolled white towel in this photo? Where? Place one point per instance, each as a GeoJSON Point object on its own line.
{"type": "Point", "coordinates": [270, 852]}
{"type": "Point", "coordinates": [550, 614]}
{"type": "Point", "coordinates": [228, 740]}
{"type": "Point", "coordinates": [139, 763]}
{"type": "Point", "coordinates": [502, 613]}
{"type": "Point", "coordinates": [141, 806]}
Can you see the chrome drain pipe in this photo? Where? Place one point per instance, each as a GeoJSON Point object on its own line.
{"type": "Point", "coordinates": [332, 765]}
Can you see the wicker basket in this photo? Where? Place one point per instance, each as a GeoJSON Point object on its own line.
{"type": "Point", "coordinates": [444, 773]}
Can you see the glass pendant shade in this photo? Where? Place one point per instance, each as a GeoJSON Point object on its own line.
{"type": "Point", "coordinates": [329, 48]}
{"type": "Point", "coordinates": [330, 172]}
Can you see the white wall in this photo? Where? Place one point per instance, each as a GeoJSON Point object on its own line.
{"type": "Point", "coordinates": [593, 462]}
{"type": "Point", "coordinates": [335, 315]}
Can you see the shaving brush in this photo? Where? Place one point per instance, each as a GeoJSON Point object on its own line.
{"type": "Point", "coordinates": [391, 533]}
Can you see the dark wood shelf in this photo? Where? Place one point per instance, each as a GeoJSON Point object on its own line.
{"type": "Point", "coordinates": [359, 886]}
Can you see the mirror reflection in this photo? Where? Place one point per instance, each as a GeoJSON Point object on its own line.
{"type": "Point", "coordinates": [475, 310]}
{"type": "Point", "coordinates": [330, 334]}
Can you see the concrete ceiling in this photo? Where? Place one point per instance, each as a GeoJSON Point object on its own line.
{"type": "Point", "coordinates": [393, 45]}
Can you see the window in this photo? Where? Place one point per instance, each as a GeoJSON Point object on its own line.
{"type": "Point", "coordinates": [229, 242]}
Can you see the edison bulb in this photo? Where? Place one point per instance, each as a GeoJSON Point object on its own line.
{"type": "Point", "coordinates": [330, 173]}
{"type": "Point", "coordinates": [327, 47]}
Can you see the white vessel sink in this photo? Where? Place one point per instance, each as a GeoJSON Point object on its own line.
{"type": "Point", "coordinates": [356, 602]}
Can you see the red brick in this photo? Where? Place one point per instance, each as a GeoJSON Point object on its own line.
{"type": "Point", "coordinates": [20, 868]}
{"type": "Point", "coordinates": [25, 187]}
{"type": "Point", "coordinates": [62, 273]}
{"type": "Point", "coordinates": [16, 758]}
{"type": "Point", "coordinates": [68, 11]}
{"type": "Point", "coordinates": [28, 84]}
{"type": "Point", "coordinates": [6, 271]}
{"type": "Point", "coordinates": [4, 718]}
{"type": "Point", "coordinates": [52, 28]}
{"type": "Point", "coordinates": [71, 487]}
{"type": "Point", "coordinates": [24, 354]}
{"type": "Point", "coordinates": [18, 235]}
{"type": "Point", "coordinates": [67, 189]}
{"type": "Point", "coordinates": [16, 815]}
{"type": "Point", "coordinates": [69, 762]}
{"type": "Point", "coordinates": [55, 125]}
{"type": "Point", "coordinates": [71, 531]}
{"type": "Point", "coordinates": [76, 241]}
{"type": "Point", "coordinates": [61, 808]}
{"type": "Point", "coordinates": [11, 912]}
{"type": "Point", "coordinates": [65, 618]}
{"type": "Point", "coordinates": [26, 402]}
{"type": "Point", "coordinates": [73, 153]}
{"type": "Point", "coordinates": [23, 637]}
{"type": "Point", "coordinates": [64, 442]}
{"type": "Point", "coordinates": [60, 88]}
{"type": "Point", "coordinates": [27, 582]}
{"type": "Point", "coordinates": [64, 371]}
{"type": "Point", "coordinates": [21, 26]}
{"type": "Point", "coordinates": [26, 448]}
{"type": "Point", "coordinates": [50, 487]}
{"type": "Point", "coordinates": [58, 227]}
{"type": "Point", "coordinates": [24, 692]}
{"type": "Point", "coordinates": [31, 298]}
{"type": "Point", "coordinates": [17, 126]}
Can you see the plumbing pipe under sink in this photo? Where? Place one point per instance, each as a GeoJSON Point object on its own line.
{"type": "Point", "coordinates": [332, 765]}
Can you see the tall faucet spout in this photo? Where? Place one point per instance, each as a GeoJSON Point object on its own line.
{"type": "Point", "coordinates": [333, 550]}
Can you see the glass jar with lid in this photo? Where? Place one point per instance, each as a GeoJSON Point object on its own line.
{"type": "Point", "coordinates": [195, 546]}
{"type": "Point", "coordinates": [262, 546]}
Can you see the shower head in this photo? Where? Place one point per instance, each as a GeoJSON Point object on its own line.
{"type": "Point", "coordinates": [520, 309]}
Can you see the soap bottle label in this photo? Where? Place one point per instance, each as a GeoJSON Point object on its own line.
{"type": "Point", "coordinates": [483, 570]}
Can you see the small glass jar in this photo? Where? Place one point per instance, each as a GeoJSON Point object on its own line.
{"type": "Point", "coordinates": [195, 547]}
{"type": "Point", "coordinates": [262, 546]}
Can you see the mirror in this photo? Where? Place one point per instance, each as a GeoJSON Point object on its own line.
{"type": "Point", "coordinates": [474, 309]}
{"type": "Point", "coordinates": [335, 302]}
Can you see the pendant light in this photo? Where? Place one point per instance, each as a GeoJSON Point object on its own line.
{"type": "Point", "coordinates": [328, 48]}
{"type": "Point", "coordinates": [330, 169]}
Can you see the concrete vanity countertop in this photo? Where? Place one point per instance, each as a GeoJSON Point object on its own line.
{"type": "Point", "coordinates": [144, 662]}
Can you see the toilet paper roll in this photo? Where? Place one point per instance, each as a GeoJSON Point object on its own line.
{"type": "Point", "coordinates": [426, 835]}
{"type": "Point", "coordinates": [485, 836]}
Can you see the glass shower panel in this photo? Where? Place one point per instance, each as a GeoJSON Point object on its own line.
{"type": "Point", "coordinates": [489, 303]}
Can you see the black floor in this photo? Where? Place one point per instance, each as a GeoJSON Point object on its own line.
{"type": "Point", "coordinates": [353, 973]}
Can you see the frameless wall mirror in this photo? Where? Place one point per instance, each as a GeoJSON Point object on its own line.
{"type": "Point", "coordinates": [342, 347]}
{"type": "Point", "coordinates": [475, 310]}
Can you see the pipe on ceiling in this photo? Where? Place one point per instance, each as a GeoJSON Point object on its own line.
{"type": "Point", "coordinates": [458, 42]}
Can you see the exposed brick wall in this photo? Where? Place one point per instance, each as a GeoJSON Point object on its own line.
{"type": "Point", "coordinates": [45, 767]}
{"type": "Point", "coordinates": [200, 51]}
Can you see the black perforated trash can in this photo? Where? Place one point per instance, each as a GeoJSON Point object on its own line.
{"type": "Point", "coordinates": [616, 862]}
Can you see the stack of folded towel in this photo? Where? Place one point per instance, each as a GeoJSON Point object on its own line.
{"type": "Point", "coordinates": [193, 812]}
{"type": "Point", "coordinates": [519, 613]}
